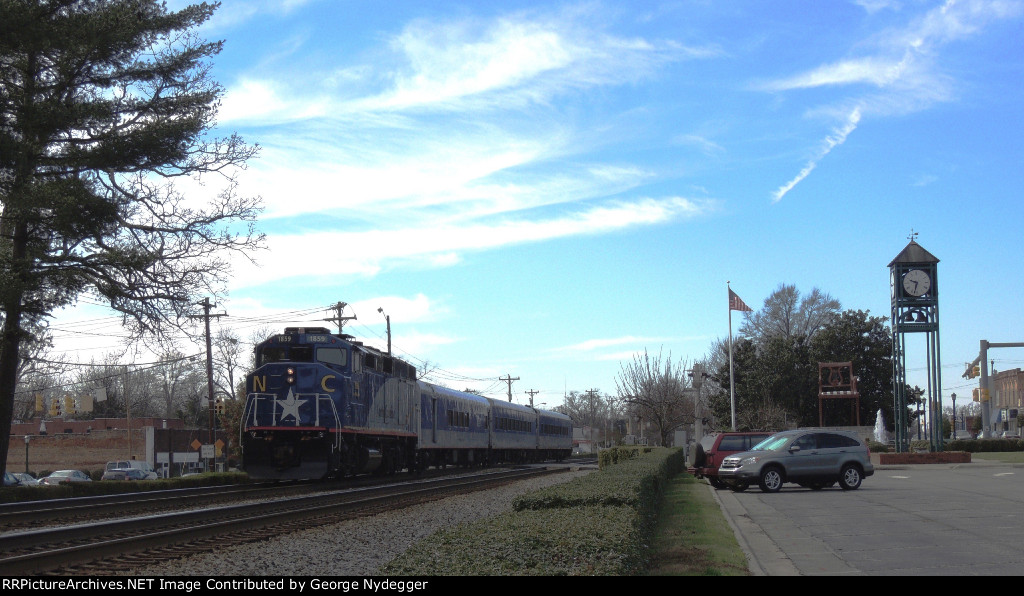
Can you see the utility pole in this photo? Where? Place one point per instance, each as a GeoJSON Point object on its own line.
{"type": "Point", "coordinates": [531, 393]}
{"type": "Point", "coordinates": [340, 320]}
{"type": "Point", "coordinates": [697, 376]}
{"type": "Point", "coordinates": [611, 410]}
{"type": "Point", "coordinates": [592, 393]}
{"type": "Point", "coordinates": [209, 363]}
{"type": "Point", "coordinates": [509, 380]}
{"type": "Point", "coordinates": [387, 318]}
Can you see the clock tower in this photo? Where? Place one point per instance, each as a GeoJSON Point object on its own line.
{"type": "Point", "coordinates": [914, 295]}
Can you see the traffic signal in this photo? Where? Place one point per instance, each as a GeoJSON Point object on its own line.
{"type": "Point", "coordinates": [218, 405]}
{"type": "Point", "coordinates": [40, 404]}
{"type": "Point", "coordinates": [55, 407]}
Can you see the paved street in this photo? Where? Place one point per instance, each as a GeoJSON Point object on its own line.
{"type": "Point", "coordinates": [945, 519]}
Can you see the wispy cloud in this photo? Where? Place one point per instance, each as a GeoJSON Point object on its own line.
{"type": "Point", "coordinates": [506, 63]}
{"type": "Point", "coordinates": [430, 245]}
{"type": "Point", "coordinates": [599, 344]}
{"type": "Point", "coordinates": [831, 142]}
{"type": "Point", "coordinates": [373, 145]}
{"type": "Point", "coordinates": [873, 6]}
{"type": "Point", "coordinates": [902, 67]}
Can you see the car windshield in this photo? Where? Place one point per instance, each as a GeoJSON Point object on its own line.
{"type": "Point", "coordinates": [773, 443]}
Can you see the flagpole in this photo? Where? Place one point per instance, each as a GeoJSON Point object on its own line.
{"type": "Point", "coordinates": [732, 385]}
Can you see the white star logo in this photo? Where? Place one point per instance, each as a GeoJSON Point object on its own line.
{"type": "Point", "coordinates": [290, 406]}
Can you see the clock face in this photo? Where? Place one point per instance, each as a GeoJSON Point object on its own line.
{"type": "Point", "coordinates": [916, 282]}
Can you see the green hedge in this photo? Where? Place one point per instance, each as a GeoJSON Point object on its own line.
{"type": "Point", "coordinates": [598, 524]}
{"type": "Point", "coordinates": [983, 445]}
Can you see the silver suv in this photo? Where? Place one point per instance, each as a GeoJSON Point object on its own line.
{"type": "Point", "coordinates": [813, 458]}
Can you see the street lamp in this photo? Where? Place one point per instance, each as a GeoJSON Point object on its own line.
{"type": "Point", "coordinates": [26, 452]}
{"type": "Point", "coordinates": [953, 436]}
{"type": "Point", "coordinates": [388, 319]}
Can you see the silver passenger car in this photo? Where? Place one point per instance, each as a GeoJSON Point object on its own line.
{"type": "Point", "coordinates": [813, 458]}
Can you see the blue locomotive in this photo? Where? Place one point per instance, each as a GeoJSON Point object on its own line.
{"type": "Point", "coordinates": [322, 405]}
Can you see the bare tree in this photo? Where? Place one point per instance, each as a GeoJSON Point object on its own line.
{"type": "Point", "coordinates": [587, 409]}
{"type": "Point", "coordinates": [785, 314]}
{"type": "Point", "coordinates": [656, 390]}
{"type": "Point", "coordinates": [769, 416]}
{"type": "Point", "coordinates": [177, 379]}
{"type": "Point", "coordinates": [228, 358]}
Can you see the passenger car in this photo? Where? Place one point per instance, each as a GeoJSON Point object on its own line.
{"type": "Point", "coordinates": [125, 474]}
{"type": "Point", "coordinates": [147, 470]}
{"type": "Point", "coordinates": [813, 458]}
{"type": "Point", "coordinates": [11, 480]}
{"type": "Point", "coordinates": [65, 476]}
{"type": "Point", "coordinates": [712, 449]}
{"type": "Point", "coordinates": [25, 479]}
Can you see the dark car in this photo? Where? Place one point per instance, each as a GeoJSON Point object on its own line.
{"type": "Point", "coordinates": [711, 450]}
{"type": "Point", "coordinates": [812, 458]}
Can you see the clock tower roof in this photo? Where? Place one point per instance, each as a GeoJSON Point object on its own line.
{"type": "Point", "coordinates": [914, 253]}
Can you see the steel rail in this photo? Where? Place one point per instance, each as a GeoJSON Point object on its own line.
{"type": "Point", "coordinates": [59, 548]}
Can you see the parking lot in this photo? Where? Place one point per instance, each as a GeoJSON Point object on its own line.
{"type": "Point", "coordinates": [940, 519]}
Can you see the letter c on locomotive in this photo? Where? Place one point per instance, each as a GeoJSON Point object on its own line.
{"type": "Point", "coordinates": [323, 383]}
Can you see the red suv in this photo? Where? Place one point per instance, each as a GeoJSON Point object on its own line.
{"type": "Point", "coordinates": [707, 455]}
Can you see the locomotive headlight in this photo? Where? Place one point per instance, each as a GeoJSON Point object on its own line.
{"type": "Point", "coordinates": [291, 376]}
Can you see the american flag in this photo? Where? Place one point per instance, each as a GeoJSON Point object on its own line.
{"type": "Point", "coordinates": [735, 303]}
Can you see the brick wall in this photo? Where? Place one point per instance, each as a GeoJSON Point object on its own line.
{"type": "Point", "coordinates": [86, 452]}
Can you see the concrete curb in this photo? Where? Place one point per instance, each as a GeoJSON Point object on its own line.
{"type": "Point", "coordinates": [764, 557]}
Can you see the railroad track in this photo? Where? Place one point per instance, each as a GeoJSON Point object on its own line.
{"type": "Point", "coordinates": [58, 512]}
{"type": "Point", "coordinates": [44, 513]}
{"type": "Point", "coordinates": [124, 544]}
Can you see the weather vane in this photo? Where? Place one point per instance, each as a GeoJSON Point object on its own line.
{"type": "Point", "coordinates": [913, 235]}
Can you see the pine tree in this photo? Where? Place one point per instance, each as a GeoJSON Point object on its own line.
{"type": "Point", "coordinates": [104, 106]}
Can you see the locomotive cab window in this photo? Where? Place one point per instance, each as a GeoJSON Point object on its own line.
{"type": "Point", "coordinates": [285, 354]}
{"type": "Point", "coordinates": [301, 354]}
{"type": "Point", "coordinates": [273, 354]}
{"type": "Point", "coordinates": [335, 356]}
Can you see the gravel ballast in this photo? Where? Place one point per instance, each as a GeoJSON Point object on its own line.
{"type": "Point", "coordinates": [357, 547]}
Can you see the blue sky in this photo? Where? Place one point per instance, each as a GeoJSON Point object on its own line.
{"type": "Point", "coordinates": [544, 189]}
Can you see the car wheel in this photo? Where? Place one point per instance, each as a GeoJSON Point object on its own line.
{"type": "Point", "coordinates": [738, 488]}
{"type": "Point", "coordinates": [850, 477]}
{"type": "Point", "coordinates": [771, 480]}
{"type": "Point", "coordinates": [715, 482]}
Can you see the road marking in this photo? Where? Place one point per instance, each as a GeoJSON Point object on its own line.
{"type": "Point", "coordinates": [1004, 474]}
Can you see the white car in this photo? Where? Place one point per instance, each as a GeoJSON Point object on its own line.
{"type": "Point", "coordinates": [133, 465]}
{"type": "Point", "coordinates": [65, 476]}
